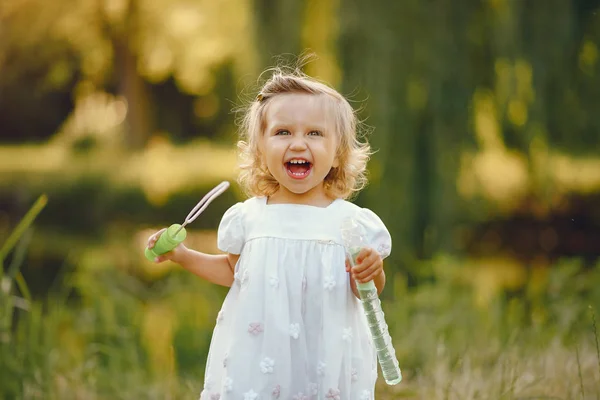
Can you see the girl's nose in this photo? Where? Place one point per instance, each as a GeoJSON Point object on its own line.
{"type": "Point", "coordinates": [298, 143]}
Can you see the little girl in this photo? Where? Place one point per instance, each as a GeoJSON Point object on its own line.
{"type": "Point", "coordinates": [291, 326]}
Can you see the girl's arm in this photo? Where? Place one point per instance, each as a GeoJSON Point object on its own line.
{"type": "Point", "coordinates": [216, 269]}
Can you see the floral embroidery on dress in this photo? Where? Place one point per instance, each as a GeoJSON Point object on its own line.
{"type": "Point", "coordinates": [347, 334]}
{"type": "Point", "coordinates": [295, 330]}
{"type": "Point", "coordinates": [215, 396]}
{"type": "Point", "coordinates": [228, 384]}
{"type": "Point", "coordinates": [250, 395]}
{"type": "Point", "coordinates": [333, 394]}
{"type": "Point", "coordinates": [365, 395]}
{"type": "Point", "coordinates": [313, 389]}
{"type": "Point", "coordinates": [255, 328]}
{"type": "Point", "coordinates": [267, 365]}
{"type": "Point", "coordinates": [300, 396]}
{"type": "Point", "coordinates": [276, 391]}
{"type": "Point", "coordinates": [329, 283]}
{"type": "Point", "coordinates": [225, 360]}
{"type": "Point", "coordinates": [274, 282]}
{"type": "Point", "coordinates": [321, 368]}
{"type": "Point", "coordinates": [354, 375]}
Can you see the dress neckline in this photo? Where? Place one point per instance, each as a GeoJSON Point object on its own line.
{"type": "Point", "coordinates": [294, 205]}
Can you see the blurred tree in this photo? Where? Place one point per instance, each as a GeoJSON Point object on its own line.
{"type": "Point", "coordinates": [496, 76]}
{"type": "Point", "coordinates": [131, 86]}
{"type": "Point", "coordinates": [416, 75]}
{"type": "Point", "coordinates": [278, 26]}
{"type": "Point", "coordinates": [121, 46]}
{"type": "Point", "coordinates": [27, 80]}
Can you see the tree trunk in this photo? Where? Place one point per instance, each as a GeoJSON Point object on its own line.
{"type": "Point", "coordinates": [131, 85]}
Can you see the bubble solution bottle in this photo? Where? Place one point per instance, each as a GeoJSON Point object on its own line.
{"type": "Point", "coordinates": [176, 233]}
{"type": "Point", "coordinates": [354, 240]}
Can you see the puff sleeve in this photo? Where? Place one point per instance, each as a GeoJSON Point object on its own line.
{"type": "Point", "coordinates": [231, 235]}
{"type": "Point", "coordinates": [377, 235]}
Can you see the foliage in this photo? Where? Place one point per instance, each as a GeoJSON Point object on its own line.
{"type": "Point", "coordinates": [475, 107]}
{"type": "Point", "coordinates": [109, 334]}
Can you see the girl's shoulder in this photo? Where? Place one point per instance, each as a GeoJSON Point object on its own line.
{"type": "Point", "coordinates": [241, 208]}
{"type": "Point", "coordinates": [352, 210]}
{"type": "Point", "coordinates": [232, 229]}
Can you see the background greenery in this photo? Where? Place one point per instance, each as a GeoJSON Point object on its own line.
{"type": "Point", "coordinates": [116, 117]}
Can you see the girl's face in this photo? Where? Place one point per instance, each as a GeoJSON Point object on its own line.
{"type": "Point", "coordinates": [299, 146]}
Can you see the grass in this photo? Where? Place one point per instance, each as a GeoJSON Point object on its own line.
{"type": "Point", "coordinates": [114, 331]}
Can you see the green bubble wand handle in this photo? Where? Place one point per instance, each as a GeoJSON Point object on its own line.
{"type": "Point", "coordinates": [353, 237]}
{"type": "Point", "coordinates": [176, 233]}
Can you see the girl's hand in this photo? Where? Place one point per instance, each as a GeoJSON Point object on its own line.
{"type": "Point", "coordinates": [369, 265]}
{"type": "Point", "coordinates": [174, 255]}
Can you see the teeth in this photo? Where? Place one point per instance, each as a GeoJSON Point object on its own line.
{"type": "Point", "coordinates": [298, 161]}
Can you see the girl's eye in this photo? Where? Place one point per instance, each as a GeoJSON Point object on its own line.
{"type": "Point", "coordinates": [282, 132]}
{"type": "Point", "coordinates": [315, 133]}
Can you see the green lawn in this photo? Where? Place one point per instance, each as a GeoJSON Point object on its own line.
{"type": "Point", "coordinates": [116, 332]}
{"type": "Point", "coordinates": [118, 327]}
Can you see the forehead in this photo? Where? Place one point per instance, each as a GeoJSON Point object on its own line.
{"type": "Point", "coordinates": [301, 108]}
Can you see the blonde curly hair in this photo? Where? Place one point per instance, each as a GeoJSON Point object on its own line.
{"type": "Point", "coordinates": [342, 182]}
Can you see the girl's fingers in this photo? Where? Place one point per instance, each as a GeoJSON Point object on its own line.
{"type": "Point", "coordinates": [368, 265]}
{"type": "Point", "coordinates": [152, 239]}
{"type": "Point", "coordinates": [370, 270]}
{"type": "Point", "coordinates": [362, 261]}
{"type": "Point", "coordinates": [363, 254]}
{"type": "Point", "coordinates": [370, 258]}
{"type": "Point", "coordinates": [163, 257]}
{"type": "Point", "coordinates": [369, 278]}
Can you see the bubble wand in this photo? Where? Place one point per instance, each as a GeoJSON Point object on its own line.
{"type": "Point", "coordinates": [353, 237]}
{"type": "Point", "coordinates": [176, 233]}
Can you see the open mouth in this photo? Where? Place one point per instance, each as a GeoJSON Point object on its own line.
{"type": "Point", "coordinates": [298, 168]}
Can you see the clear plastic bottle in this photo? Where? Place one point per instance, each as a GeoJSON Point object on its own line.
{"type": "Point", "coordinates": [354, 240]}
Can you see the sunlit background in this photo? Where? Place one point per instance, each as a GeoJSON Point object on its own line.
{"type": "Point", "coordinates": [116, 116]}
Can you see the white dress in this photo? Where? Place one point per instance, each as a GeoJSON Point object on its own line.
{"type": "Point", "coordinates": [290, 327]}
